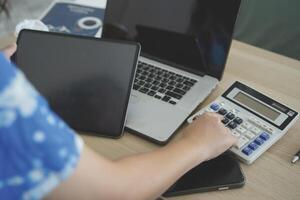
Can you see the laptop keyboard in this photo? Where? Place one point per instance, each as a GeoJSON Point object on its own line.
{"type": "Point", "coordinates": [161, 84]}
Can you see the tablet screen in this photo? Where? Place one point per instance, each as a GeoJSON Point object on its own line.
{"type": "Point", "coordinates": [222, 172]}
{"type": "Point", "coordinates": [87, 81]}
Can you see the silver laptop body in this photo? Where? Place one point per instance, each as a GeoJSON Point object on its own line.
{"type": "Point", "coordinates": [185, 44]}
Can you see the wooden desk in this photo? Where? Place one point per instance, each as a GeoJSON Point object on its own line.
{"type": "Point", "coordinates": [272, 176]}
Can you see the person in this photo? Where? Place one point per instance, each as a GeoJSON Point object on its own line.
{"type": "Point", "coordinates": [41, 157]}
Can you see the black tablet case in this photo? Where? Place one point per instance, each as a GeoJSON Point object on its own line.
{"type": "Point", "coordinates": [87, 81]}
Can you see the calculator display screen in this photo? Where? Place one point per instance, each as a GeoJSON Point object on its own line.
{"type": "Point", "coordinates": [257, 106]}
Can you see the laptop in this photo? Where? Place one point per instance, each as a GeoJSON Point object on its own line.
{"type": "Point", "coordinates": [185, 44]}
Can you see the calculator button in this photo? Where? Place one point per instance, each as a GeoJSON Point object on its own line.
{"type": "Point", "coordinates": [270, 130]}
{"type": "Point", "coordinates": [265, 136]}
{"type": "Point", "coordinates": [252, 119]}
{"type": "Point", "coordinates": [223, 111]}
{"type": "Point", "coordinates": [265, 127]}
{"type": "Point", "coordinates": [234, 111]}
{"type": "Point", "coordinates": [258, 123]}
{"type": "Point", "coordinates": [250, 135]}
{"type": "Point", "coordinates": [242, 142]}
{"type": "Point", "coordinates": [238, 120]}
{"type": "Point", "coordinates": [230, 116]}
{"type": "Point", "coordinates": [259, 141]}
{"type": "Point", "coordinates": [215, 106]}
{"type": "Point", "coordinates": [232, 125]}
{"type": "Point", "coordinates": [253, 146]}
{"type": "Point", "coordinates": [246, 125]}
{"type": "Point", "coordinates": [209, 110]}
{"type": "Point", "coordinates": [247, 151]}
{"type": "Point", "coordinates": [235, 133]}
{"type": "Point", "coordinates": [241, 130]}
{"type": "Point", "coordinates": [225, 121]}
{"type": "Point", "coordinates": [256, 130]}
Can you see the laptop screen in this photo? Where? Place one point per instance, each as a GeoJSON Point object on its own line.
{"type": "Point", "coordinates": [194, 35]}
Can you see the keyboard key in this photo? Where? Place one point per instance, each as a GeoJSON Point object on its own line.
{"type": "Point", "coordinates": [172, 78]}
{"type": "Point", "coordinates": [193, 80]}
{"type": "Point", "coordinates": [215, 106]}
{"type": "Point", "coordinates": [172, 102]}
{"type": "Point", "coordinates": [166, 98]}
{"type": "Point", "coordinates": [145, 73]}
{"type": "Point", "coordinates": [164, 80]}
{"type": "Point", "coordinates": [162, 91]}
{"type": "Point", "coordinates": [174, 95]}
{"type": "Point", "coordinates": [222, 111]}
{"type": "Point", "coordinates": [247, 151]}
{"type": "Point", "coordinates": [172, 83]}
{"type": "Point", "coordinates": [179, 80]}
{"type": "Point", "coordinates": [155, 82]}
{"type": "Point", "coordinates": [151, 75]}
{"type": "Point", "coordinates": [166, 75]}
{"type": "Point", "coordinates": [265, 136]}
{"type": "Point", "coordinates": [144, 90]}
{"type": "Point", "coordinates": [163, 85]}
{"type": "Point", "coordinates": [238, 120]}
{"type": "Point", "coordinates": [170, 88]}
{"type": "Point", "coordinates": [253, 146]}
{"type": "Point", "coordinates": [147, 85]}
{"type": "Point", "coordinates": [151, 93]}
{"type": "Point", "coordinates": [188, 83]}
{"type": "Point", "coordinates": [155, 88]}
{"type": "Point", "coordinates": [136, 87]}
{"type": "Point", "coordinates": [143, 77]}
{"type": "Point", "coordinates": [141, 83]}
{"type": "Point", "coordinates": [157, 97]}
{"type": "Point", "coordinates": [259, 141]}
{"type": "Point", "coordinates": [242, 142]}
{"type": "Point", "coordinates": [179, 85]}
{"type": "Point", "coordinates": [186, 88]}
{"type": "Point", "coordinates": [230, 116]}
{"type": "Point", "coordinates": [149, 80]}
{"type": "Point", "coordinates": [179, 91]}
{"type": "Point", "coordinates": [158, 78]}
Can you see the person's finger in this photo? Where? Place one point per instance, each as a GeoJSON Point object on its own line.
{"type": "Point", "coordinates": [9, 50]}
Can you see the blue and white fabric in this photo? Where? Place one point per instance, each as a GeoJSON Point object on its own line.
{"type": "Point", "coordinates": [37, 149]}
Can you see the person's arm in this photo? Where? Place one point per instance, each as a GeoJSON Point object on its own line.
{"type": "Point", "coordinates": [10, 50]}
{"type": "Point", "coordinates": [146, 176]}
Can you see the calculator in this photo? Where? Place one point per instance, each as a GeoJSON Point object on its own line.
{"type": "Point", "coordinates": [257, 120]}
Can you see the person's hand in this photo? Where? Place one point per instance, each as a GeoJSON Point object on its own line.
{"type": "Point", "coordinates": [209, 135]}
{"type": "Point", "coordinates": [9, 50]}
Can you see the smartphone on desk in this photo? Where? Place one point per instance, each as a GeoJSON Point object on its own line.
{"type": "Point", "coordinates": [221, 173]}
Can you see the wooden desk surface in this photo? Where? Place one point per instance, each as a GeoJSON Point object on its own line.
{"type": "Point", "coordinates": [272, 176]}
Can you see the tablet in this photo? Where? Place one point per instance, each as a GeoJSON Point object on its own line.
{"type": "Point", "coordinates": [221, 173]}
{"type": "Point", "coordinates": [87, 81]}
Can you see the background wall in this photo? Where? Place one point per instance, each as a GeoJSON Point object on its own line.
{"type": "Point", "coordinates": [269, 24]}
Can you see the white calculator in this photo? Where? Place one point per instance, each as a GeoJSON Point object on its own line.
{"type": "Point", "coordinates": [257, 120]}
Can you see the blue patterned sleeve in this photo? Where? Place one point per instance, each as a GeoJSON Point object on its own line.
{"type": "Point", "coordinates": [37, 149]}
